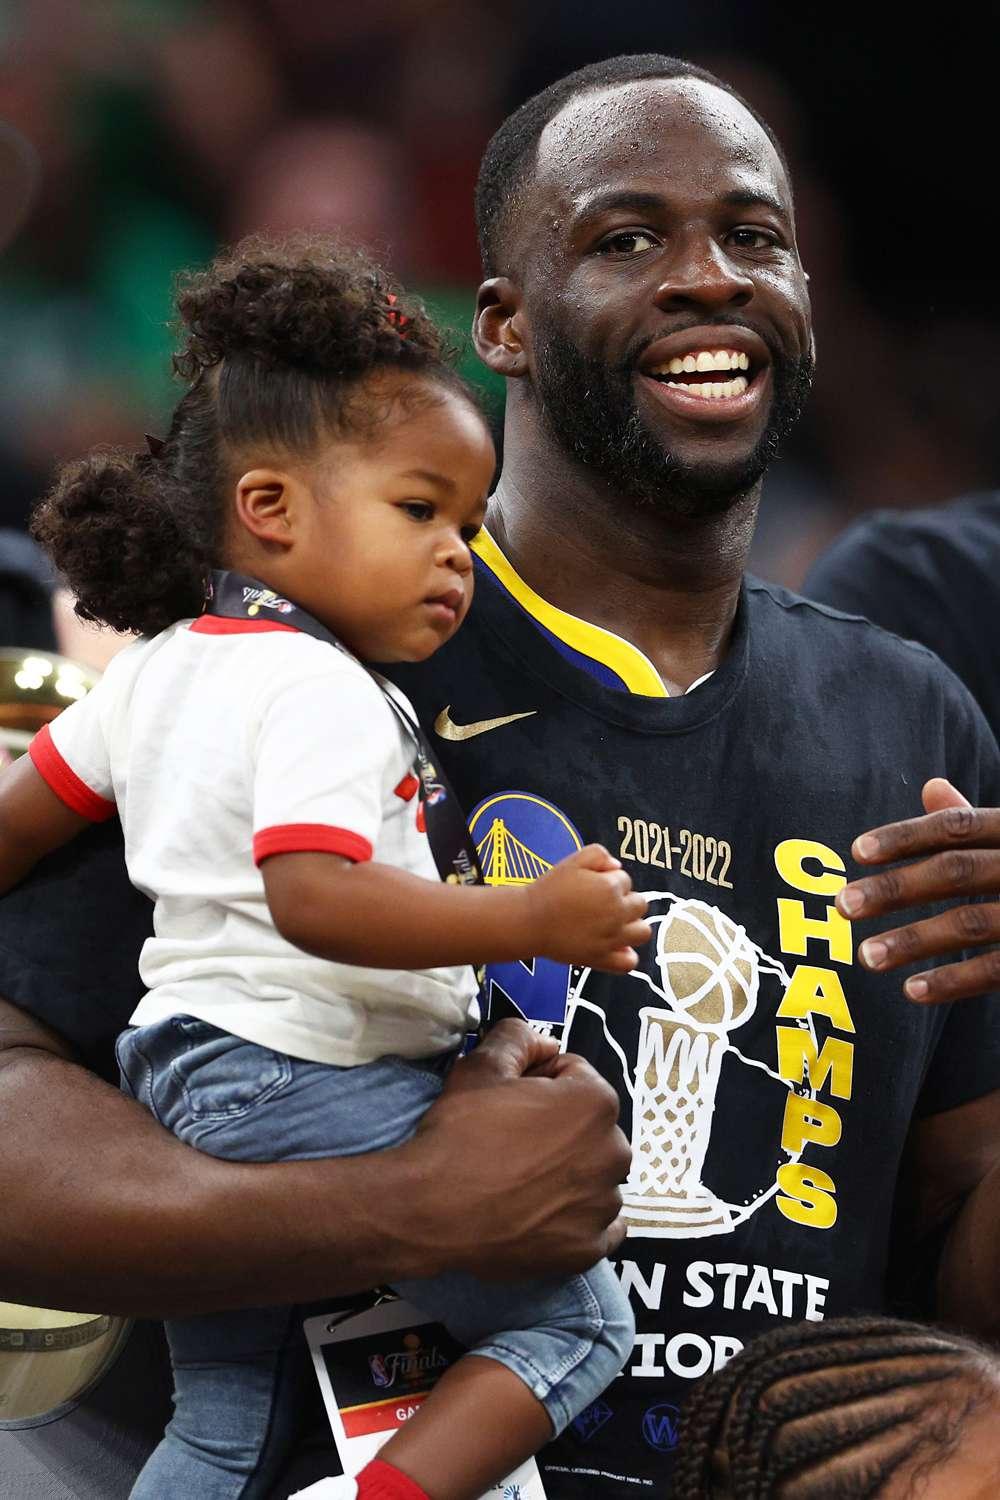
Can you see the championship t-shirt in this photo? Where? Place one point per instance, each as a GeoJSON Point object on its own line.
{"type": "Point", "coordinates": [767, 1080]}
{"type": "Point", "coordinates": [932, 576]}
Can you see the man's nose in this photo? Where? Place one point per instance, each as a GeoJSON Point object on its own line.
{"type": "Point", "coordinates": [701, 274]}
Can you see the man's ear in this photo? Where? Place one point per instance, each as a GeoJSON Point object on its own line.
{"type": "Point", "coordinates": [498, 329]}
{"type": "Point", "coordinates": [266, 505]}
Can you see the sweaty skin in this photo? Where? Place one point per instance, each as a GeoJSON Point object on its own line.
{"type": "Point", "coordinates": [660, 214]}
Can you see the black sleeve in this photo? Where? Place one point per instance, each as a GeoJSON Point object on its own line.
{"type": "Point", "coordinates": [70, 937]}
{"type": "Point", "coordinates": [966, 1060]}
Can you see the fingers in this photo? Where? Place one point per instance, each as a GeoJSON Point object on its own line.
{"type": "Point", "coordinates": [577, 1072]}
{"type": "Point", "coordinates": [954, 872]}
{"type": "Point", "coordinates": [956, 826]}
{"type": "Point", "coordinates": [618, 961]}
{"type": "Point", "coordinates": [961, 927]}
{"type": "Point", "coordinates": [596, 857]}
{"type": "Point", "coordinates": [939, 794]}
{"type": "Point", "coordinates": [976, 976]}
{"type": "Point", "coordinates": [509, 1050]}
{"type": "Point", "coordinates": [614, 1236]}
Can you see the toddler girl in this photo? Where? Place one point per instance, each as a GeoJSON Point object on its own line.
{"type": "Point", "coordinates": [309, 981]}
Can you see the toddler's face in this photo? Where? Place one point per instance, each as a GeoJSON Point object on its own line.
{"type": "Point", "coordinates": [384, 556]}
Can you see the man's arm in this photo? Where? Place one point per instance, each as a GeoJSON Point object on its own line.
{"type": "Point", "coordinates": [106, 1211]}
{"type": "Point", "coordinates": [952, 1174]}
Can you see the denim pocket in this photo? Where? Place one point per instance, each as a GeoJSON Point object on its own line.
{"type": "Point", "coordinates": [219, 1076]}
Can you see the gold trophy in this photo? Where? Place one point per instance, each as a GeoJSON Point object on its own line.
{"type": "Point", "coordinates": [35, 686]}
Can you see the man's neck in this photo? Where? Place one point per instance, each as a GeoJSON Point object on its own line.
{"type": "Point", "coordinates": [667, 584]}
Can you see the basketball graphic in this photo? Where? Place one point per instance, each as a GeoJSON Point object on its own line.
{"type": "Point", "coordinates": [709, 974]}
{"type": "Point", "coordinates": [708, 966]}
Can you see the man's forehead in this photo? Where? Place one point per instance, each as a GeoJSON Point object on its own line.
{"type": "Point", "coordinates": [650, 127]}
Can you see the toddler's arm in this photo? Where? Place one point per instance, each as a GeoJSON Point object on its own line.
{"type": "Point", "coordinates": [583, 911]}
{"type": "Point", "coordinates": [33, 821]}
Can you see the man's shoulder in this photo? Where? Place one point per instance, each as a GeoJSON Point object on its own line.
{"type": "Point", "coordinates": [809, 627]}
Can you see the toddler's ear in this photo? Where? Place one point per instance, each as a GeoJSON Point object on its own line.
{"type": "Point", "coordinates": [267, 503]}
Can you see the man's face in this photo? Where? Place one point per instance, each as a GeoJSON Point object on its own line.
{"type": "Point", "coordinates": [666, 312]}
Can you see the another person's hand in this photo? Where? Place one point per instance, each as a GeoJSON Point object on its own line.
{"type": "Point", "coordinates": [529, 1156]}
{"type": "Point", "coordinates": [955, 851]}
{"type": "Point", "coordinates": [586, 912]}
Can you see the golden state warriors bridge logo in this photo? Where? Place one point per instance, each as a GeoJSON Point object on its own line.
{"type": "Point", "coordinates": [519, 837]}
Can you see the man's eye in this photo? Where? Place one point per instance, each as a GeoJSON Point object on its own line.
{"type": "Point", "coordinates": [419, 510]}
{"type": "Point", "coordinates": [627, 242]}
{"type": "Point", "coordinates": [753, 239]}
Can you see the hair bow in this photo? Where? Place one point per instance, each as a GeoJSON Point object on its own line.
{"type": "Point", "coordinates": [398, 319]}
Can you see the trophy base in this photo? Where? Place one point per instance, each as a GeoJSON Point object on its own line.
{"type": "Point", "coordinates": [689, 1214]}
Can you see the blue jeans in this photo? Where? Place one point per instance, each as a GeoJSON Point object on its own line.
{"type": "Point", "coordinates": [565, 1339]}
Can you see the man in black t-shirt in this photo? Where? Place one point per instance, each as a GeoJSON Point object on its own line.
{"type": "Point", "coordinates": [618, 680]}
{"type": "Point", "coordinates": [768, 1081]}
{"type": "Point", "coordinates": [931, 576]}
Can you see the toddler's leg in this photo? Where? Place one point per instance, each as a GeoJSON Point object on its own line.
{"type": "Point", "coordinates": [234, 1405]}
{"type": "Point", "coordinates": [515, 1389]}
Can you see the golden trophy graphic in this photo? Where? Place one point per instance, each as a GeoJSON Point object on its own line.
{"type": "Point", "coordinates": [709, 973]}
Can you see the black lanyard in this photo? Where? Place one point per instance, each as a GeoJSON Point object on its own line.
{"type": "Point", "coordinates": [236, 597]}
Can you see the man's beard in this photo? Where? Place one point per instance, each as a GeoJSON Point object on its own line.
{"type": "Point", "coordinates": [590, 409]}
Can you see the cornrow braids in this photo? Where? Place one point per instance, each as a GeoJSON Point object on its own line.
{"type": "Point", "coordinates": [509, 159]}
{"type": "Point", "coordinates": [278, 339]}
{"type": "Point", "coordinates": [829, 1410]}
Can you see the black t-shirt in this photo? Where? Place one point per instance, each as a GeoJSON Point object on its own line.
{"type": "Point", "coordinates": [931, 576]}
{"type": "Point", "coordinates": [750, 1201]}
{"type": "Point", "coordinates": [737, 805]}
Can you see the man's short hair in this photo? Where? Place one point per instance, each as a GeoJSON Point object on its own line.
{"type": "Point", "coordinates": [509, 159]}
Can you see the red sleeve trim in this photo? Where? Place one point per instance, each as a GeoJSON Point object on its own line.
{"type": "Point", "coordinates": [223, 625]}
{"type": "Point", "coordinates": [64, 781]}
{"type": "Point", "coordinates": [310, 838]}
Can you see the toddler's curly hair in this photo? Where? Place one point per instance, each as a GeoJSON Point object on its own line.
{"type": "Point", "coordinates": [278, 341]}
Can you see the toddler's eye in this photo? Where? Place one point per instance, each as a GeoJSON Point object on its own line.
{"type": "Point", "coordinates": [419, 510]}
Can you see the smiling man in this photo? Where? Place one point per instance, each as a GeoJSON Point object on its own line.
{"type": "Point", "coordinates": [621, 680]}
{"type": "Point", "coordinates": [617, 679]}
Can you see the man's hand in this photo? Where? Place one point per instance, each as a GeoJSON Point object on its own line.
{"type": "Point", "coordinates": [961, 849]}
{"type": "Point", "coordinates": [525, 1147]}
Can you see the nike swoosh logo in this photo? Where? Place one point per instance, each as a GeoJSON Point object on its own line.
{"type": "Point", "coordinates": [447, 729]}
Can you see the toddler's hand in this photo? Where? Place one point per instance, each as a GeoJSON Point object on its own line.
{"type": "Point", "coordinates": [586, 912]}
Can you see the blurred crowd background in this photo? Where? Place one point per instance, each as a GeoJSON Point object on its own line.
{"type": "Point", "coordinates": [164, 127]}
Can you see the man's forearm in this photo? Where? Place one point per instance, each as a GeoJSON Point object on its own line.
{"type": "Point", "coordinates": [968, 1286]}
{"type": "Point", "coordinates": [105, 1211]}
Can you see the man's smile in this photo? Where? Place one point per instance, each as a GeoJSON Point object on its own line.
{"type": "Point", "coordinates": [708, 374]}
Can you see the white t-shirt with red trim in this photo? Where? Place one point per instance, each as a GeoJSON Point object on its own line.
{"type": "Point", "coordinates": [221, 742]}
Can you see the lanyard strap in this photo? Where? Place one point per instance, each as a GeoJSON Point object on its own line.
{"type": "Point", "coordinates": [233, 596]}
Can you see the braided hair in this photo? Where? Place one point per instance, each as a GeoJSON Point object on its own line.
{"type": "Point", "coordinates": [829, 1411]}
{"type": "Point", "coordinates": [278, 341]}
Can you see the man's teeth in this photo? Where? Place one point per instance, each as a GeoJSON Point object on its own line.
{"type": "Point", "coordinates": [703, 361]}
{"type": "Point", "coordinates": [712, 390]}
